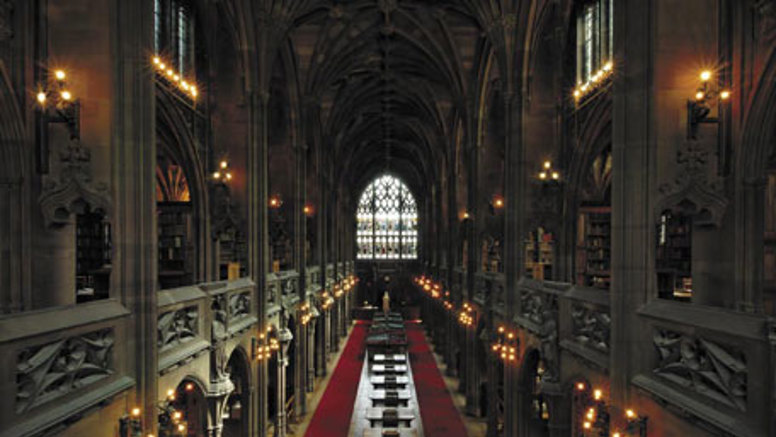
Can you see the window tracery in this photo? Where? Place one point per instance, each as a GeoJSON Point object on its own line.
{"type": "Point", "coordinates": [387, 220]}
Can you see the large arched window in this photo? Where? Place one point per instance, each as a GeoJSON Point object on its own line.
{"type": "Point", "coordinates": [387, 221]}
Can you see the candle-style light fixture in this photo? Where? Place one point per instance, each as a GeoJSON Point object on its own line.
{"type": "Point", "coordinates": [166, 73]}
{"type": "Point", "coordinates": [171, 420]}
{"type": "Point", "coordinates": [275, 201]}
{"type": "Point", "coordinates": [699, 107]}
{"type": "Point", "coordinates": [56, 103]}
{"type": "Point", "coordinates": [548, 173]}
{"type": "Point", "coordinates": [266, 345]}
{"type": "Point", "coordinates": [506, 345]}
{"type": "Point", "coordinates": [223, 174]}
{"type": "Point", "coordinates": [596, 80]}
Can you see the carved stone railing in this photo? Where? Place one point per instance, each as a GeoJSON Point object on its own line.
{"type": "Point", "coordinates": [285, 286]}
{"type": "Point", "coordinates": [710, 364]}
{"type": "Point", "coordinates": [190, 319]}
{"type": "Point", "coordinates": [489, 291]}
{"type": "Point", "coordinates": [182, 328]}
{"type": "Point", "coordinates": [232, 307]}
{"type": "Point", "coordinates": [586, 325]}
{"type": "Point", "coordinates": [539, 302]}
{"type": "Point", "coordinates": [313, 280]}
{"type": "Point", "coordinates": [61, 362]}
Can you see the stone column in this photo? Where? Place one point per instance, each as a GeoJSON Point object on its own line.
{"type": "Point", "coordinates": [321, 345]}
{"type": "Point", "coordinates": [54, 282]}
{"type": "Point", "coordinates": [311, 351]}
{"type": "Point", "coordinates": [513, 233]}
{"type": "Point", "coordinates": [284, 338]}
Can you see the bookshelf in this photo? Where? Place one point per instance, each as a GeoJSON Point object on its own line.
{"type": "Point", "coordinates": [93, 257]}
{"type": "Point", "coordinates": [539, 255]}
{"type": "Point", "coordinates": [175, 231]}
{"type": "Point", "coordinates": [593, 261]}
{"type": "Point", "coordinates": [674, 257]}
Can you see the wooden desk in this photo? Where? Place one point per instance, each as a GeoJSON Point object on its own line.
{"type": "Point", "coordinates": [389, 382]}
{"type": "Point", "coordinates": [381, 397]}
{"type": "Point", "coordinates": [378, 432]}
{"type": "Point", "coordinates": [405, 415]}
{"type": "Point", "coordinates": [392, 358]}
{"type": "Point", "coordinates": [389, 368]}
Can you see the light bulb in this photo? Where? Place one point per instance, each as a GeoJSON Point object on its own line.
{"type": "Point", "coordinates": [224, 164]}
{"type": "Point", "coordinates": [156, 60]}
{"type": "Point", "coordinates": [724, 95]}
{"type": "Point", "coordinates": [66, 95]}
{"type": "Point", "coordinates": [705, 75]}
{"type": "Point", "coordinates": [41, 97]}
{"type": "Point", "coordinates": [60, 75]}
{"type": "Point", "coordinates": [699, 95]}
{"type": "Point", "coordinates": [547, 164]}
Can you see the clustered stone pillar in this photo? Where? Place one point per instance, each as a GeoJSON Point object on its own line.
{"type": "Point", "coordinates": [284, 338]}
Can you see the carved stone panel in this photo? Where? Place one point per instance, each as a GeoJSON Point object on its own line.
{"type": "Point", "coordinates": [702, 366]}
{"type": "Point", "coordinates": [239, 305]}
{"type": "Point", "coordinates": [177, 327]}
{"type": "Point", "coordinates": [591, 327]}
{"type": "Point", "coordinates": [46, 372]}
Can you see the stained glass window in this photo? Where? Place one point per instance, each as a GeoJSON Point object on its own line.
{"type": "Point", "coordinates": [595, 30]}
{"type": "Point", "coordinates": [387, 221]}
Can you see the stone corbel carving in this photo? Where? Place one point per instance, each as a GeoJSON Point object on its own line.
{"type": "Point", "coordinates": [74, 189]}
{"type": "Point", "coordinates": [694, 193]}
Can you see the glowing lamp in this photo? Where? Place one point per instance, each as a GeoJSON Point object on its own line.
{"type": "Point", "coordinates": [60, 75]}
{"type": "Point", "coordinates": [705, 75]}
{"type": "Point", "coordinates": [135, 412]}
{"type": "Point", "coordinates": [66, 95]}
{"type": "Point", "coordinates": [724, 95]}
{"type": "Point", "coordinates": [41, 97]}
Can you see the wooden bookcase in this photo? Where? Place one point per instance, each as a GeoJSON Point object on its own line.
{"type": "Point", "coordinates": [674, 258]}
{"type": "Point", "coordinates": [93, 257]}
{"type": "Point", "coordinates": [594, 240]}
{"type": "Point", "coordinates": [175, 239]}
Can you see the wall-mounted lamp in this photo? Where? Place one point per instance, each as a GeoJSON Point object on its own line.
{"type": "Point", "coordinates": [275, 201]}
{"type": "Point", "coordinates": [547, 173]}
{"type": "Point", "coordinates": [497, 202]}
{"type": "Point", "coordinates": [699, 107]}
{"type": "Point", "coordinates": [223, 174]}
{"type": "Point", "coordinates": [55, 104]}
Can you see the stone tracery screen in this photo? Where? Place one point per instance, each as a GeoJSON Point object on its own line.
{"type": "Point", "coordinates": [387, 221]}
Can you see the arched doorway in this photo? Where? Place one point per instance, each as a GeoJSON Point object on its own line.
{"type": "Point", "coordinates": [236, 411]}
{"type": "Point", "coordinates": [534, 408]}
{"type": "Point", "coordinates": [186, 412]}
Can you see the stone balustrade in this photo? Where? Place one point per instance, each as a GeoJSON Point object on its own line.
{"type": "Point", "coordinates": [60, 363]}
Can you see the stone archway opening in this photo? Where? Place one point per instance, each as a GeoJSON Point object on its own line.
{"type": "Point", "coordinates": [236, 411]}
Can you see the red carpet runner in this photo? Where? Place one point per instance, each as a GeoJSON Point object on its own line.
{"type": "Point", "coordinates": [332, 417]}
{"type": "Point", "coordinates": [440, 417]}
